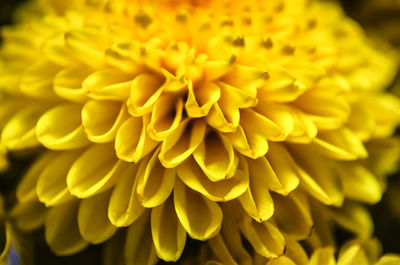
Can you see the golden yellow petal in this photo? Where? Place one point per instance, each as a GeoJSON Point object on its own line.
{"type": "Point", "coordinates": [96, 170]}
{"type": "Point", "coordinates": [201, 98]}
{"type": "Point", "coordinates": [37, 80]}
{"type": "Point", "coordinates": [341, 144]}
{"type": "Point", "coordinates": [65, 135]}
{"type": "Point", "coordinates": [132, 142]}
{"type": "Point", "coordinates": [145, 91]}
{"type": "Point", "coordinates": [26, 190]}
{"type": "Point", "coordinates": [359, 183]}
{"type": "Point", "coordinates": [220, 249]}
{"type": "Point", "coordinates": [284, 167]}
{"type": "Point", "coordinates": [20, 133]}
{"type": "Point", "coordinates": [224, 118]}
{"type": "Point", "coordinates": [353, 255]}
{"type": "Point", "coordinates": [304, 129]}
{"type": "Point", "coordinates": [182, 142]}
{"type": "Point", "coordinates": [169, 237]}
{"type": "Point", "coordinates": [109, 84]}
{"type": "Point", "coordinates": [51, 186]}
{"type": "Point", "coordinates": [355, 218]}
{"type": "Point", "coordinates": [323, 256]}
{"type": "Point", "coordinates": [216, 157]}
{"type": "Point", "coordinates": [257, 200]}
{"type": "Point", "coordinates": [93, 222]}
{"type": "Point", "coordinates": [68, 83]}
{"type": "Point", "coordinates": [166, 117]}
{"type": "Point", "coordinates": [28, 216]}
{"type": "Point", "coordinates": [200, 217]}
{"type": "Point", "coordinates": [54, 50]}
{"type": "Point", "coordinates": [86, 45]}
{"type": "Point", "coordinates": [9, 106]}
{"type": "Point", "coordinates": [61, 229]}
{"type": "Point", "coordinates": [139, 247]}
{"type": "Point", "coordinates": [296, 252]}
{"type": "Point", "coordinates": [101, 119]}
{"type": "Point", "coordinates": [317, 176]}
{"type": "Point", "coordinates": [224, 190]}
{"type": "Point", "coordinates": [389, 259]}
{"type": "Point", "coordinates": [265, 238]}
{"type": "Point", "coordinates": [293, 215]}
{"type": "Point", "coordinates": [361, 122]}
{"type": "Point", "coordinates": [155, 182]}
{"type": "Point", "coordinates": [281, 261]}
{"type": "Point", "coordinates": [259, 127]}
{"type": "Point", "coordinates": [124, 207]}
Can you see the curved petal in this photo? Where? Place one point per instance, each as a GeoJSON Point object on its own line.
{"type": "Point", "coordinates": [281, 115]}
{"type": "Point", "coordinates": [265, 238]}
{"type": "Point", "coordinates": [224, 190]}
{"type": "Point", "coordinates": [317, 176]}
{"type": "Point", "coordinates": [216, 157]}
{"type": "Point", "coordinates": [221, 250]}
{"type": "Point", "coordinates": [124, 207]}
{"type": "Point", "coordinates": [323, 256]}
{"type": "Point", "coordinates": [28, 216]}
{"type": "Point", "coordinates": [93, 222]}
{"type": "Point", "coordinates": [96, 170]}
{"type": "Point", "coordinates": [20, 132]}
{"type": "Point", "coordinates": [68, 83]}
{"type": "Point", "coordinates": [101, 119]}
{"type": "Point", "coordinates": [341, 144]}
{"type": "Point", "coordinates": [26, 189]}
{"type": "Point", "coordinates": [37, 80]}
{"type": "Point", "coordinates": [200, 217]}
{"type": "Point", "coordinates": [169, 237]}
{"type": "Point", "coordinates": [166, 117]}
{"type": "Point", "coordinates": [358, 182]}
{"type": "Point", "coordinates": [281, 261]}
{"type": "Point", "coordinates": [201, 98]}
{"type": "Point", "coordinates": [293, 215]}
{"type": "Point", "coordinates": [51, 187]}
{"type": "Point", "coordinates": [132, 142]}
{"type": "Point", "coordinates": [224, 118]}
{"type": "Point", "coordinates": [155, 182]}
{"type": "Point", "coordinates": [108, 83]}
{"type": "Point", "coordinates": [139, 247]}
{"type": "Point", "coordinates": [182, 142]}
{"type": "Point", "coordinates": [352, 256]}
{"type": "Point", "coordinates": [57, 135]}
{"type": "Point", "coordinates": [61, 229]}
{"type": "Point", "coordinates": [145, 91]}
{"type": "Point", "coordinates": [257, 200]}
{"type": "Point", "coordinates": [285, 169]}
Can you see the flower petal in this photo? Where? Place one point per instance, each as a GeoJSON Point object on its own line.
{"type": "Point", "coordinates": [155, 182]}
{"type": "Point", "coordinates": [265, 238]}
{"type": "Point", "coordinates": [201, 98]}
{"type": "Point", "coordinates": [216, 157]}
{"type": "Point", "coordinates": [358, 182]}
{"type": "Point", "coordinates": [166, 117]}
{"type": "Point", "coordinates": [61, 136]}
{"type": "Point", "coordinates": [101, 119]}
{"type": "Point", "coordinates": [68, 83]}
{"type": "Point", "coordinates": [124, 207]}
{"type": "Point", "coordinates": [200, 217]}
{"type": "Point", "coordinates": [181, 143]}
{"type": "Point", "coordinates": [51, 187]}
{"type": "Point", "coordinates": [19, 133]}
{"type": "Point", "coordinates": [61, 229]}
{"type": "Point", "coordinates": [93, 222]}
{"type": "Point", "coordinates": [257, 200]}
{"type": "Point", "coordinates": [109, 84]}
{"type": "Point", "coordinates": [145, 91]}
{"type": "Point", "coordinates": [224, 190]}
{"type": "Point", "coordinates": [132, 142]}
{"type": "Point", "coordinates": [139, 247]}
{"type": "Point", "coordinates": [28, 216]}
{"type": "Point", "coordinates": [323, 256]}
{"type": "Point", "coordinates": [281, 261]}
{"type": "Point", "coordinates": [96, 170]}
{"type": "Point", "coordinates": [169, 236]}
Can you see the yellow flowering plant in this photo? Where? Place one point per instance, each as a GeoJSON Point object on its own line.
{"type": "Point", "coordinates": [168, 116]}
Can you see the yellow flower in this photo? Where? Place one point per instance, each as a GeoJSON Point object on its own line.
{"type": "Point", "coordinates": [158, 114]}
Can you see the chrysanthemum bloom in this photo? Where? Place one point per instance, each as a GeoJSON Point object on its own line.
{"type": "Point", "coordinates": [157, 114]}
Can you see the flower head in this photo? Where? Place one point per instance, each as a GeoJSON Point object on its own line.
{"type": "Point", "coordinates": [158, 114]}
